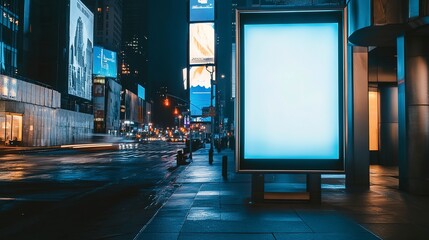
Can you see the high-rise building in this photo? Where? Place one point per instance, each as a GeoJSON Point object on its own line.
{"type": "Point", "coordinates": [134, 45]}
{"type": "Point", "coordinates": [107, 23]}
{"type": "Point", "coordinates": [10, 23]}
{"type": "Point", "coordinates": [106, 81]}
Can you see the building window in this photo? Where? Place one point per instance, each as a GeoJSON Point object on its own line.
{"type": "Point", "coordinates": [10, 128]}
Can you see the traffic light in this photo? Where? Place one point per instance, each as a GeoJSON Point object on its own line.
{"type": "Point", "coordinates": [176, 111]}
{"type": "Point", "coordinates": [166, 102]}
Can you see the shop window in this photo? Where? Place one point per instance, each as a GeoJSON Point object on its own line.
{"type": "Point", "coordinates": [2, 128]}
{"type": "Point", "coordinates": [10, 129]}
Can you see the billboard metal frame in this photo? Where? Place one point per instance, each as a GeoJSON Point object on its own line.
{"type": "Point", "coordinates": [291, 165]}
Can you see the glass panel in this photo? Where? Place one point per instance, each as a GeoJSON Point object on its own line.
{"type": "Point", "coordinates": [2, 128]}
{"type": "Point", "coordinates": [8, 127]}
{"type": "Point", "coordinates": [17, 128]}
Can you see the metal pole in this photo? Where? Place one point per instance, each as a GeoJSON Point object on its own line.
{"type": "Point", "coordinates": [212, 117]}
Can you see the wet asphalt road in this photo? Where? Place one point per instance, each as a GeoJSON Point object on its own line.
{"type": "Point", "coordinates": [81, 194]}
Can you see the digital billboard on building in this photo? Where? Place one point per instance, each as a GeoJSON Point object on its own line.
{"type": "Point", "coordinates": [202, 43]}
{"type": "Point", "coordinates": [201, 10]}
{"type": "Point", "coordinates": [290, 91]}
{"type": "Point", "coordinates": [105, 63]}
{"type": "Point", "coordinates": [81, 33]}
{"type": "Point", "coordinates": [141, 92]}
{"type": "Point", "coordinates": [200, 90]}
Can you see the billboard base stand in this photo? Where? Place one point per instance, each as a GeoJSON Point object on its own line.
{"type": "Point", "coordinates": [313, 194]}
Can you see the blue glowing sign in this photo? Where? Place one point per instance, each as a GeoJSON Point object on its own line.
{"type": "Point", "coordinates": [200, 90]}
{"type": "Point", "coordinates": [105, 63]}
{"type": "Point", "coordinates": [141, 92]}
{"type": "Point", "coordinates": [290, 95]}
{"type": "Point", "coordinates": [201, 10]}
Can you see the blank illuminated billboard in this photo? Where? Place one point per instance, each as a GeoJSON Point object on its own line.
{"type": "Point", "coordinates": [81, 34]}
{"type": "Point", "coordinates": [290, 91]}
{"type": "Point", "coordinates": [202, 43]}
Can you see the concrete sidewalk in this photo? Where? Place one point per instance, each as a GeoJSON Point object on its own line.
{"type": "Point", "coordinates": [205, 206]}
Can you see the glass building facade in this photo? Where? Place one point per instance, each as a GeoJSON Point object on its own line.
{"type": "Point", "coordinates": [9, 25]}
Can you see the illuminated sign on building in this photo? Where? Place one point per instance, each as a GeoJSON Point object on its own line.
{"type": "Point", "coordinates": [141, 92]}
{"type": "Point", "coordinates": [105, 63]}
{"type": "Point", "coordinates": [80, 50]}
{"type": "Point", "coordinates": [290, 91]}
{"type": "Point", "coordinates": [201, 10]}
{"type": "Point", "coordinates": [202, 43]}
{"type": "Point", "coordinates": [200, 89]}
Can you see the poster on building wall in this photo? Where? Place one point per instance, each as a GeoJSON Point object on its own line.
{"type": "Point", "coordinates": [290, 91]}
{"type": "Point", "coordinates": [99, 102]}
{"type": "Point", "coordinates": [200, 90]}
{"type": "Point", "coordinates": [202, 43]}
{"type": "Point", "coordinates": [113, 93]}
{"type": "Point", "coordinates": [201, 10]}
{"type": "Point", "coordinates": [81, 34]}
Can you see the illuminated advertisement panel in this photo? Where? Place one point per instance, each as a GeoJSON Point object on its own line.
{"type": "Point", "coordinates": [202, 43]}
{"type": "Point", "coordinates": [200, 89]}
{"type": "Point", "coordinates": [80, 50]}
{"type": "Point", "coordinates": [105, 64]}
{"type": "Point", "coordinates": [99, 102]}
{"type": "Point", "coordinates": [141, 92]}
{"type": "Point", "coordinates": [201, 10]}
{"type": "Point", "coordinates": [290, 95]}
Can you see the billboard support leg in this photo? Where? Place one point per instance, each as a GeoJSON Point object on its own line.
{"type": "Point", "coordinates": [258, 188]}
{"type": "Point", "coordinates": [314, 185]}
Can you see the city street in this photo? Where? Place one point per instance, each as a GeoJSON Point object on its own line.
{"type": "Point", "coordinates": [82, 194]}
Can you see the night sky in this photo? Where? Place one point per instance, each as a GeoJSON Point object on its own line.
{"type": "Point", "coordinates": [167, 50]}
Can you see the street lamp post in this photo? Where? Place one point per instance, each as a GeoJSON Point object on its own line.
{"type": "Point", "coordinates": [211, 71]}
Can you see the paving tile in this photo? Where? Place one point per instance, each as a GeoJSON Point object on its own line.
{"type": "Point", "coordinates": [394, 231]}
{"type": "Point", "coordinates": [325, 236]}
{"type": "Point", "coordinates": [172, 213]}
{"type": "Point", "coordinates": [184, 195]}
{"type": "Point", "coordinates": [206, 203]}
{"type": "Point", "coordinates": [168, 220]}
{"type": "Point", "coordinates": [163, 228]}
{"type": "Point", "coordinates": [223, 236]}
{"type": "Point", "coordinates": [158, 236]}
{"type": "Point", "coordinates": [329, 222]}
{"type": "Point", "coordinates": [204, 214]}
{"type": "Point", "coordinates": [178, 204]}
{"type": "Point", "coordinates": [243, 227]}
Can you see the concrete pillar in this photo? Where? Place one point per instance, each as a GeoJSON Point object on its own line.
{"type": "Point", "coordinates": [388, 126]}
{"type": "Point", "coordinates": [357, 125]}
{"type": "Point", "coordinates": [413, 118]}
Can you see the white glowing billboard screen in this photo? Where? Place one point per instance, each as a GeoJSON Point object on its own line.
{"type": "Point", "coordinates": [202, 43]}
{"type": "Point", "coordinates": [291, 93]}
{"type": "Point", "coordinates": [81, 34]}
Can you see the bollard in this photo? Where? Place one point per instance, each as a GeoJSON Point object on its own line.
{"type": "Point", "coordinates": [210, 156]}
{"type": "Point", "coordinates": [225, 167]}
{"type": "Point", "coordinates": [179, 158]}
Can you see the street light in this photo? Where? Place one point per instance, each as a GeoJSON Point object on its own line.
{"type": "Point", "coordinates": [211, 71]}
